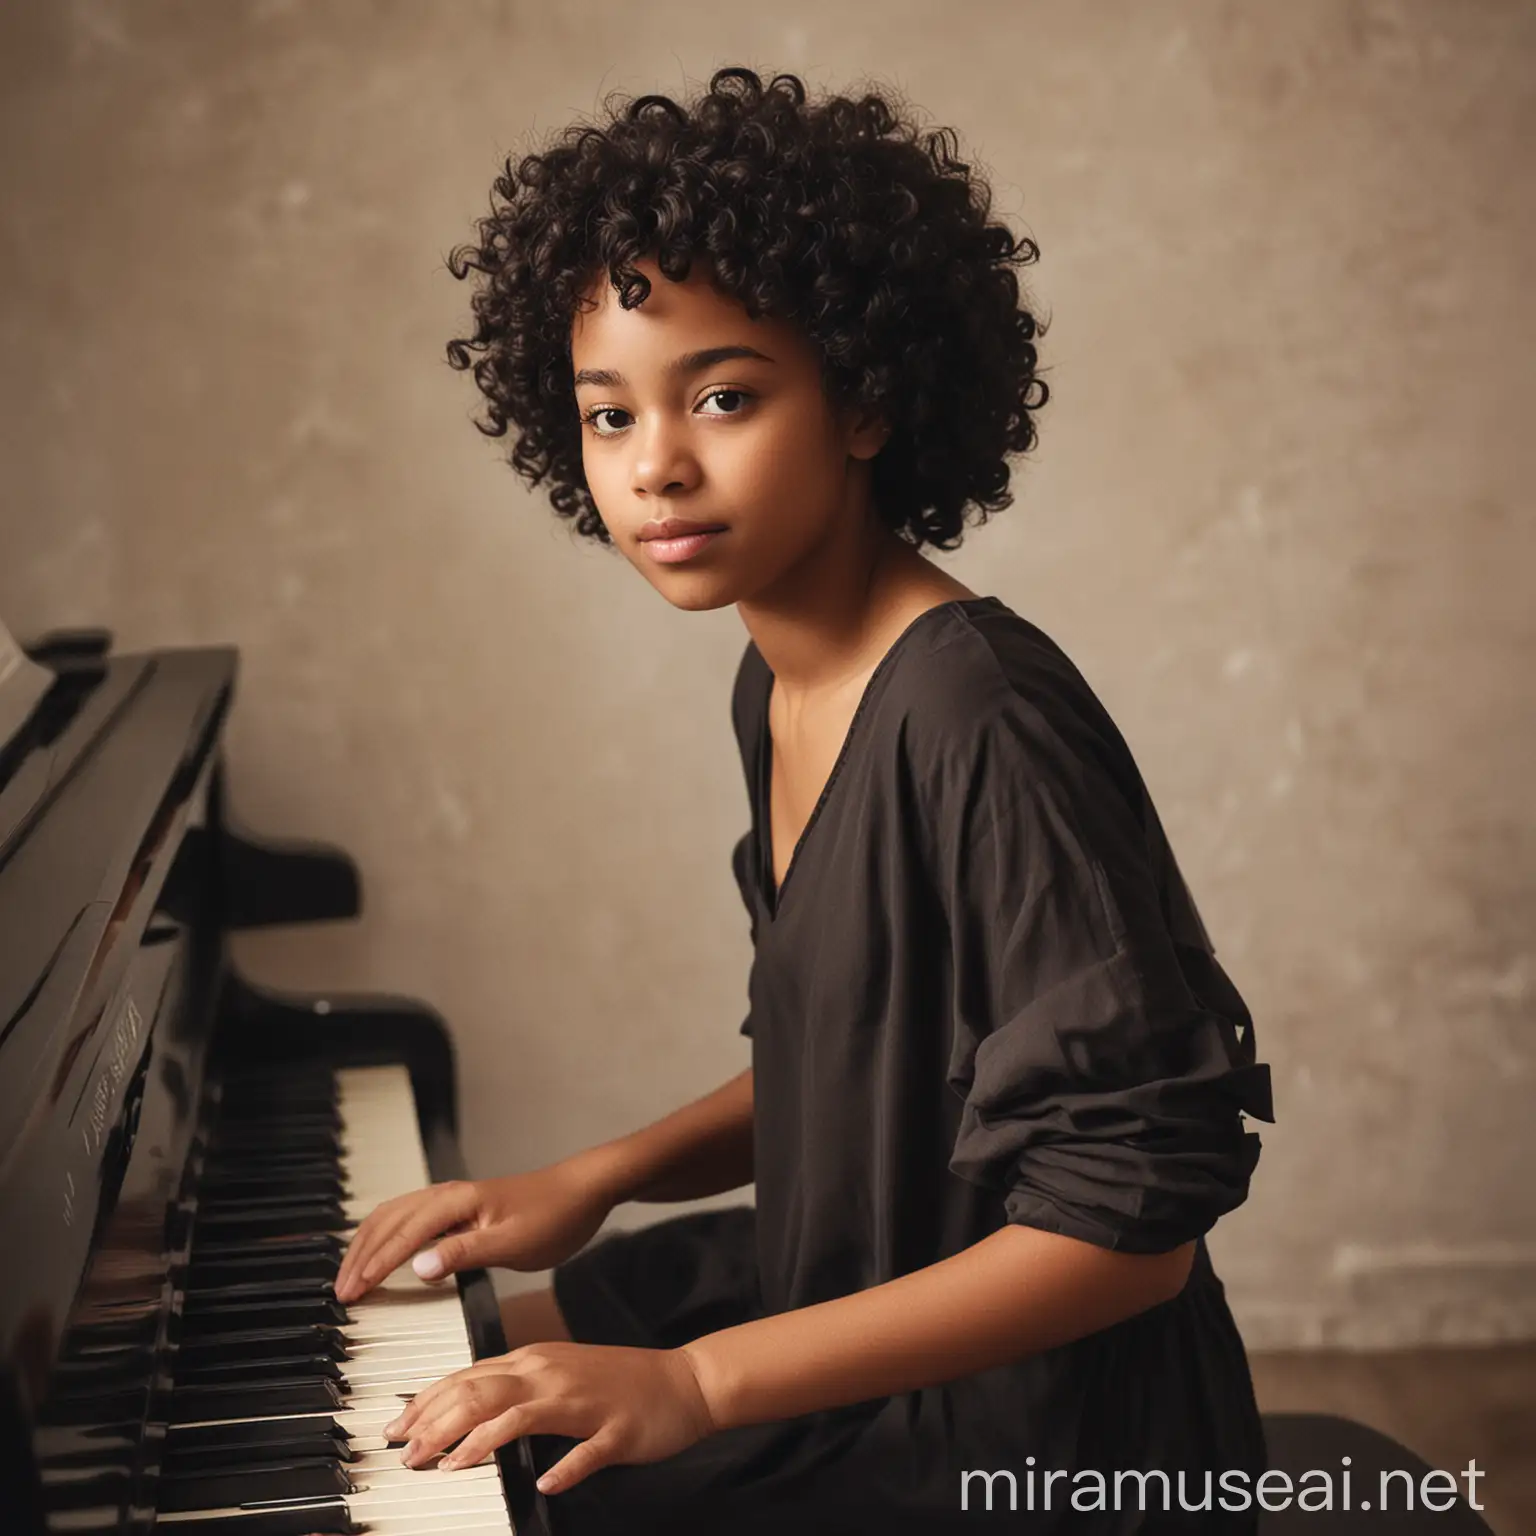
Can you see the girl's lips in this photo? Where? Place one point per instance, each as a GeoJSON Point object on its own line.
{"type": "Point", "coordinates": [672, 551]}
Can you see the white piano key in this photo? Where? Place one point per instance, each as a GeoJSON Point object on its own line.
{"type": "Point", "coordinates": [385, 1455]}
{"type": "Point", "coordinates": [405, 1334]}
{"type": "Point", "coordinates": [375, 1369]}
{"type": "Point", "coordinates": [440, 1523]}
{"type": "Point", "coordinates": [439, 1345]}
{"type": "Point", "coordinates": [473, 1479]}
{"type": "Point", "coordinates": [402, 1337]}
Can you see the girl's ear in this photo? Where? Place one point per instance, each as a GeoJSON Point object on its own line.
{"type": "Point", "coordinates": [867, 434]}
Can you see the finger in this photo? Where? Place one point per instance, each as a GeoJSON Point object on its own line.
{"type": "Point", "coordinates": [424, 1402]}
{"type": "Point", "coordinates": [443, 1212]}
{"type": "Point", "coordinates": [519, 1420]}
{"type": "Point", "coordinates": [437, 1431]}
{"type": "Point", "coordinates": [362, 1242]}
{"type": "Point", "coordinates": [403, 1425]}
{"type": "Point", "coordinates": [417, 1228]}
{"type": "Point", "coordinates": [427, 1400]}
{"type": "Point", "coordinates": [581, 1462]}
{"type": "Point", "coordinates": [454, 1417]}
{"type": "Point", "coordinates": [381, 1230]}
{"type": "Point", "coordinates": [467, 1248]}
{"type": "Point", "coordinates": [375, 1229]}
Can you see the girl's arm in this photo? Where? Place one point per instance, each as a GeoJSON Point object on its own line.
{"type": "Point", "coordinates": [701, 1149]}
{"type": "Point", "coordinates": [1015, 1293]}
{"type": "Point", "coordinates": [537, 1220]}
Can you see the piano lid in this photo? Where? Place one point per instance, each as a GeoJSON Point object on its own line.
{"type": "Point", "coordinates": [22, 685]}
{"type": "Point", "coordinates": [83, 691]}
{"type": "Point", "coordinates": [83, 969]}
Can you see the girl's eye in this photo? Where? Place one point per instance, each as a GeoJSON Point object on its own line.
{"type": "Point", "coordinates": [591, 417]}
{"type": "Point", "coordinates": [738, 394]}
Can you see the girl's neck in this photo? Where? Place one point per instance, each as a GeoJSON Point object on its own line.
{"type": "Point", "coordinates": [827, 631]}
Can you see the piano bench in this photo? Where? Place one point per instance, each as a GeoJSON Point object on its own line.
{"type": "Point", "coordinates": [1302, 1442]}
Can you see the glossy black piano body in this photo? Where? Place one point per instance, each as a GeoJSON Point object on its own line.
{"type": "Point", "coordinates": [120, 878]}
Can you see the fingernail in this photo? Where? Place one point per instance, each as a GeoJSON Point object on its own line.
{"type": "Point", "coordinates": [447, 1464]}
{"type": "Point", "coordinates": [428, 1265]}
{"type": "Point", "coordinates": [547, 1483]}
{"type": "Point", "coordinates": [408, 1455]}
{"type": "Point", "coordinates": [392, 1429]}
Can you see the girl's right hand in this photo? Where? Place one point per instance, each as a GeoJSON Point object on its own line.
{"type": "Point", "coordinates": [528, 1221]}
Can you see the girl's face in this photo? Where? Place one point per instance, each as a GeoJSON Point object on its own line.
{"type": "Point", "coordinates": [696, 414]}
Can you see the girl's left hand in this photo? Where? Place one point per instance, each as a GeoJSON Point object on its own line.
{"type": "Point", "coordinates": [624, 1405]}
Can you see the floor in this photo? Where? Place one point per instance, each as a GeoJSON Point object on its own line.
{"type": "Point", "coordinates": [1451, 1406]}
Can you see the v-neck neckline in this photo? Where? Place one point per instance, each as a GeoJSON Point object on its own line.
{"type": "Point", "coordinates": [771, 890]}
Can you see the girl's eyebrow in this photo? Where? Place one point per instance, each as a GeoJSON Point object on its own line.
{"type": "Point", "coordinates": [689, 362]}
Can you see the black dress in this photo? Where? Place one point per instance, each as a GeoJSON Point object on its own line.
{"type": "Point", "coordinates": [982, 995]}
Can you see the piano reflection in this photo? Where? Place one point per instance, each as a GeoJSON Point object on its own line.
{"type": "Point", "coordinates": [183, 1154]}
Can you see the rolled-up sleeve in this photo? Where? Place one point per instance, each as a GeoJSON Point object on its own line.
{"type": "Point", "coordinates": [1103, 1097]}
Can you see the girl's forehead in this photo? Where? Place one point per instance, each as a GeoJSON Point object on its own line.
{"type": "Point", "coordinates": [674, 318]}
{"type": "Point", "coordinates": [668, 303]}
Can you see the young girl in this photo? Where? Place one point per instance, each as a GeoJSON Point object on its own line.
{"type": "Point", "coordinates": [771, 350]}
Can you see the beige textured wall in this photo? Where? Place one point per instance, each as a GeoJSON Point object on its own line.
{"type": "Point", "coordinates": [1280, 514]}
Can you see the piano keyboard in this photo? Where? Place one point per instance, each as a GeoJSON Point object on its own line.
{"type": "Point", "coordinates": [282, 1394]}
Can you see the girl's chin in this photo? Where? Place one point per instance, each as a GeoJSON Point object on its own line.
{"type": "Point", "coordinates": [697, 596]}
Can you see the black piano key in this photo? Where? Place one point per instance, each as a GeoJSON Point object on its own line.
{"type": "Point", "coordinates": [302, 1104]}
{"type": "Point", "coordinates": [247, 1401]}
{"type": "Point", "coordinates": [273, 1368]}
{"type": "Point", "coordinates": [220, 1213]}
{"type": "Point", "coordinates": [92, 1445]}
{"type": "Point", "coordinates": [267, 1131]}
{"type": "Point", "coordinates": [282, 1221]}
{"type": "Point", "coordinates": [324, 1177]}
{"type": "Point", "coordinates": [79, 1488]}
{"type": "Point", "coordinates": [114, 1331]}
{"type": "Point", "coordinates": [93, 1368]}
{"type": "Point", "coordinates": [318, 1183]}
{"type": "Point", "coordinates": [279, 1088]}
{"type": "Point", "coordinates": [236, 1144]}
{"type": "Point", "coordinates": [253, 1080]}
{"type": "Point", "coordinates": [272, 1137]}
{"type": "Point", "coordinates": [260, 1344]}
{"type": "Point", "coordinates": [184, 1437]}
{"type": "Point", "coordinates": [302, 1101]}
{"type": "Point", "coordinates": [247, 1112]}
{"type": "Point", "coordinates": [237, 1202]}
{"type": "Point", "coordinates": [309, 1479]}
{"type": "Point", "coordinates": [315, 1143]}
{"type": "Point", "coordinates": [270, 1314]}
{"type": "Point", "coordinates": [253, 1110]}
{"type": "Point", "coordinates": [323, 1517]}
{"type": "Point", "coordinates": [269, 1247]}
{"type": "Point", "coordinates": [231, 1458]}
{"type": "Point", "coordinates": [248, 1160]}
{"type": "Point", "coordinates": [209, 1274]}
{"type": "Point", "coordinates": [203, 1297]}
{"type": "Point", "coordinates": [275, 1159]}
{"type": "Point", "coordinates": [95, 1407]}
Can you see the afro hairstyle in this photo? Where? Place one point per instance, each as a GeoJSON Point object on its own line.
{"type": "Point", "coordinates": [839, 216]}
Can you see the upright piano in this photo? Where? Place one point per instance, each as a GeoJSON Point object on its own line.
{"type": "Point", "coordinates": [183, 1153]}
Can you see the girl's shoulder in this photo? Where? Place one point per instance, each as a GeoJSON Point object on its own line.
{"type": "Point", "coordinates": [971, 697]}
{"type": "Point", "coordinates": [987, 693]}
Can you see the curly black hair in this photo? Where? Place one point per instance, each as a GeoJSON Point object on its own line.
{"type": "Point", "coordinates": [838, 216]}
